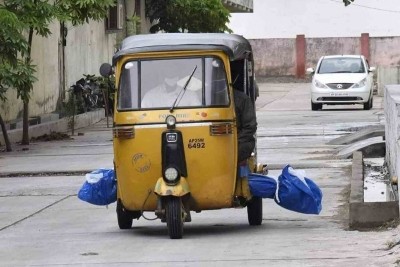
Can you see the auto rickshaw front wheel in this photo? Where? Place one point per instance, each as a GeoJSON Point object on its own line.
{"type": "Point", "coordinates": [124, 217]}
{"type": "Point", "coordinates": [174, 214]}
{"type": "Point", "coordinates": [255, 211]}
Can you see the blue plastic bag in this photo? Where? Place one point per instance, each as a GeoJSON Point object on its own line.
{"type": "Point", "coordinates": [298, 193]}
{"type": "Point", "coordinates": [100, 187]}
{"type": "Point", "coordinates": [262, 186]}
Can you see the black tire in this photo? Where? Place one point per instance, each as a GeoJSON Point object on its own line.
{"type": "Point", "coordinates": [368, 105]}
{"type": "Point", "coordinates": [124, 217]}
{"type": "Point", "coordinates": [315, 106]}
{"type": "Point", "coordinates": [255, 211]}
{"type": "Point", "coordinates": [174, 217]}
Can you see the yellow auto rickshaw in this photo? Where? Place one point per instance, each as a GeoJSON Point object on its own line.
{"type": "Point", "coordinates": [175, 129]}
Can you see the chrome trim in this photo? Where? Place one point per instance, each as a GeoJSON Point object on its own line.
{"type": "Point", "coordinates": [221, 129]}
{"type": "Point", "coordinates": [124, 132]}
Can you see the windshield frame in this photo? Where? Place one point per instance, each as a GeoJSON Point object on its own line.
{"type": "Point", "coordinates": [138, 92]}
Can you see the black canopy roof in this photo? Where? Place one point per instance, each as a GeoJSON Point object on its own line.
{"type": "Point", "coordinates": [236, 46]}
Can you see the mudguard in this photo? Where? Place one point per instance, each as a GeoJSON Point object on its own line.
{"type": "Point", "coordinates": [178, 190]}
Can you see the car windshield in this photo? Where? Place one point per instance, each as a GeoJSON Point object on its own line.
{"type": "Point", "coordinates": [159, 83]}
{"type": "Point", "coordinates": [341, 65]}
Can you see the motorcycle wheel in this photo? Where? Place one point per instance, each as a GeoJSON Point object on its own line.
{"type": "Point", "coordinates": [255, 211]}
{"type": "Point", "coordinates": [175, 217]}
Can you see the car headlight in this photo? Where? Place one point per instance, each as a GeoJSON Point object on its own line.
{"type": "Point", "coordinates": [361, 83]}
{"type": "Point", "coordinates": [171, 175]}
{"type": "Point", "coordinates": [319, 84]}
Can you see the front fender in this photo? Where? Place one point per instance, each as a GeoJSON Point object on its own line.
{"type": "Point", "coordinates": [178, 190]}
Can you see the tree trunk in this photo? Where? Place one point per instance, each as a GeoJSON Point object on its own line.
{"type": "Point", "coordinates": [25, 124]}
{"type": "Point", "coordinates": [4, 130]}
{"type": "Point", "coordinates": [25, 119]}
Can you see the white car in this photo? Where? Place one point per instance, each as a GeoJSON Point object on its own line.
{"type": "Point", "coordinates": [340, 80]}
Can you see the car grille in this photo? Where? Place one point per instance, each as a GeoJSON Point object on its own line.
{"type": "Point", "coordinates": [333, 98]}
{"type": "Point", "coordinates": [341, 85]}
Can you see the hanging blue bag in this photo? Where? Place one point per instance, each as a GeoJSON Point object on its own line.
{"type": "Point", "coordinates": [262, 185]}
{"type": "Point", "coordinates": [100, 187]}
{"type": "Point", "coordinates": [297, 193]}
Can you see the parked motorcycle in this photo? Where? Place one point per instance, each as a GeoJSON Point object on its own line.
{"type": "Point", "coordinates": [82, 92]}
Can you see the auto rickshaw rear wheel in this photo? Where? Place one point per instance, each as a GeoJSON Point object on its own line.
{"type": "Point", "coordinates": [254, 211]}
{"type": "Point", "coordinates": [174, 214]}
{"type": "Point", "coordinates": [124, 217]}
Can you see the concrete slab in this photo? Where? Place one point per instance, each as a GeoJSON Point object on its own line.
{"type": "Point", "coordinates": [371, 147]}
{"type": "Point", "coordinates": [61, 125]}
{"type": "Point", "coordinates": [372, 131]}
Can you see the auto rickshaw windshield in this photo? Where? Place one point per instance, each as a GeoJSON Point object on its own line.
{"type": "Point", "coordinates": [158, 83]}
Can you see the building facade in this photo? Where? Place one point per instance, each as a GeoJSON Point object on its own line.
{"type": "Point", "coordinates": [60, 61]}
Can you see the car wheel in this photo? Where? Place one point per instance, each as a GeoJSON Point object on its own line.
{"type": "Point", "coordinates": [315, 106]}
{"type": "Point", "coordinates": [372, 101]}
{"type": "Point", "coordinates": [368, 105]}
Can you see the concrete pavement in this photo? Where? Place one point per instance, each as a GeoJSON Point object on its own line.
{"type": "Point", "coordinates": [89, 149]}
{"type": "Point", "coordinates": [42, 223]}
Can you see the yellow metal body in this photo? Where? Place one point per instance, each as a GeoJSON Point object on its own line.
{"type": "Point", "coordinates": [178, 190]}
{"type": "Point", "coordinates": [211, 166]}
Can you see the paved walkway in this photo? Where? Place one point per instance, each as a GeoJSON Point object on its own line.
{"type": "Point", "coordinates": [89, 149]}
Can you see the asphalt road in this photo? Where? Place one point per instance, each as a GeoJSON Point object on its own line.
{"type": "Point", "coordinates": [43, 223]}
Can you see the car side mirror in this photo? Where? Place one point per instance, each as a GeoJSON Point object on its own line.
{"type": "Point", "coordinates": [310, 71]}
{"type": "Point", "coordinates": [371, 69]}
{"type": "Point", "coordinates": [106, 70]}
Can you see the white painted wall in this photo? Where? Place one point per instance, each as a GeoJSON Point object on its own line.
{"type": "Point", "coordinates": [318, 18]}
{"type": "Point", "coordinates": [87, 47]}
{"type": "Point", "coordinates": [392, 129]}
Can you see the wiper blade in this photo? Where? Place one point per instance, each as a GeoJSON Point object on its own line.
{"type": "Point", "coordinates": [183, 90]}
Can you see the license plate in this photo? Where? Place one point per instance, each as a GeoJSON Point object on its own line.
{"type": "Point", "coordinates": [339, 94]}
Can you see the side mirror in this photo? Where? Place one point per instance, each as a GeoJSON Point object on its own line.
{"type": "Point", "coordinates": [371, 69]}
{"type": "Point", "coordinates": [310, 71]}
{"type": "Point", "coordinates": [105, 70]}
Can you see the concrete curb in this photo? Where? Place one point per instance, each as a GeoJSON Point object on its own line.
{"type": "Point", "coordinates": [364, 215]}
{"type": "Point", "coordinates": [61, 125]}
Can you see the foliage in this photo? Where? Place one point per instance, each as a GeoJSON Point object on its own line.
{"type": "Point", "coordinates": [11, 38]}
{"type": "Point", "coordinates": [347, 2]}
{"type": "Point", "coordinates": [13, 44]}
{"type": "Point", "coordinates": [81, 11]}
{"type": "Point", "coordinates": [13, 71]}
{"type": "Point", "coordinates": [133, 25]}
{"type": "Point", "coordinates": [19, 76]}
{"type": "Point", "coordinates": [187, 16]}
{"type": "Point", "coordinates": [34, 14]}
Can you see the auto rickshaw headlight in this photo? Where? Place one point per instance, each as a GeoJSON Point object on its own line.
{"type": "Point", "coordinates": [171, 175]}
{"type": "Point", "coordinates": [170, 120]}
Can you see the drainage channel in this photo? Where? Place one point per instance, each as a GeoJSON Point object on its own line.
{"type": "Point", "coordinates": [377, 185]}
